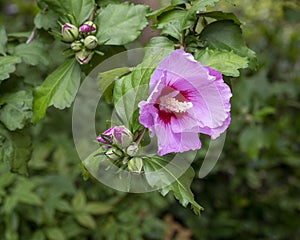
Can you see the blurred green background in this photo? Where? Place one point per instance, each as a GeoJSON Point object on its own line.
{"type": "Point", "coordinates": [252, 193]}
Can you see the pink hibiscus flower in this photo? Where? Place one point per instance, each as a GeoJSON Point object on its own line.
{"type": "Point", "coordinates": [185, 99]}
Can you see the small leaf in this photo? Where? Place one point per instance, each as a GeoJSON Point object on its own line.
{"type": "Point", "coordinates": [79, 201]}
{"type": "Point", "coordinates": [156, 44]}
{"type": "Point", "coordinates": [38, 235]}
{"type": "Point", "coordinates": [19, 35]}
{"type": "Point", "coordinates": [80, 9]}
{"type": "Point", "coordinates": [122, 23]}
{"type": "Point", "coordinates": [251, 140]}
{"type": "Point", "coordinates": [7, 66]}
{"type": "Point", "coordinates": [3, 40]}
{"type": "Point", "coordinates": [54, 233]}
{"type": "Point", "coordinates": [33, 53]}
{"type": "Point", "coordinates": [178, 2]}
{"type": "Point", "coordinates": [104, 3]}
{"type": "Point", "coordinates": [63, 206]}
{"type": "Point", "coordinates": [219, 15]}
{"type": "Point", "coordinates": [106, 81]}
{"type": "Point", "coordinates": [226, 35]}
{"type": "Point", "coordinates": [226, 63]}
{"type": "Point", "coordinates": [86, 220]}
{"type": "Point", "coordinates": [6, 179]}
{"type": "Point", "coordinates": [179, 186]}
{"type": "Point", "coordinates": [155, 14]}
{"type": "Point", "coordinates": [10, 203]}
{"type": "Point", "coordinates": [58, 89]}
{"type": "Point", "coordinates": [15, 149]}
{"type": "Point", "coordinates": [16, 109]}
{"type": "Point", "coordinates": [98, 208]}
{"type": "Point", "coordinates": [190, 16]}
{"type": "Point", "coordinates": [45, 20]}
{"type": "Point", "coordinates": [170, 23]}
{"type": "Point", "coordinates": [28, 198]}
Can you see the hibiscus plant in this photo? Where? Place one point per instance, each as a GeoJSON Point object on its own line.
{"type": "Point", "coordinates": [177, 90]}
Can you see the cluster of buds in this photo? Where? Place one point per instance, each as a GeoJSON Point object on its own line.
{"type": "Point", "coordinates": [120, 148]}
{"type": "Point", "coordinates": [83, 40]}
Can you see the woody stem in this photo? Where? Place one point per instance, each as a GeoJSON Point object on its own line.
{"type": "Point", "coordinates": [141, 136]}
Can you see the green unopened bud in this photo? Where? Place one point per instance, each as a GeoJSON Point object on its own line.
{"type": "Point", "coordinates": [76, 46]}
{"type": "Point", "coordinates": [114, 154]}
{"type": "Point", "coordinates": [135, 165]}
{"type": "Point", "coordinates": [90, 42]}
{"type": "Point", "coordinates": [84, 56]}
{"type": "Point", "coordinates": [132, 149]}
{"type": "Point", "coordinates": [69, 32]}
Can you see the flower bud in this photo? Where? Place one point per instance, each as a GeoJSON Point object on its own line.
{"type": "Point", "coordinates": [135, 165]}
{"type": "Point", "coordinates": [84, 56]}
{"type": "Point", "coordinates": [114, 154]}
{"type": "Point", "coordinates": [88, 28]}
{"type": "Point", "coordinates": [90, 42]}
{"type": "Point", "coordinates": [69, 32]}
{"type": "Point", "coordinates": [76, 46]}
{"type": "Point", "coordinates": [132, 149]}
{"type": "Point", "coordinates": [120, 136]}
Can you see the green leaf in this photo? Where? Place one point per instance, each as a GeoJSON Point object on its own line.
{"type": "Point", "coordinates": [133, 88]}
{"type": "Point", "coordinates": [7, 66]}
{"type": "Point", "coordinates": [226, 35]}
{"type": "Point", "coordinates": [80, 9]}
{"type": "Point", "coordinates": [190, 16]}
{"type": "Point", "coordinates": [16, 109]}
{"type": "Point", "coordinates": [28, 198]}
{"type": "Point", "coordinates": [178, 2]}
{"type": "Point", "coordinates": [179, 186]}
{"type": "Point", "coordinates": [19, 35]}
{"type": "Point", "coordinates": [251, 140]}
{"type": "Point", "coordinates": [120, 24]}
{"type": "Point", "coordinates": [15, 149]}
{"type": "Point", "coordinates": [54, 233]}
{"type": "Point", "coordinates": [33, 53]}
{"type": "Point", "coordinates": [58, 89]}
{"type": "Point", "coordinates": [226, 63]}
{"type": "Point", "coordinates": [86, 220]}
{"type": "Point", "coordinates": [79, 201]}
{"type": "Point", "coordinates": [38, 235]}
{"type": "Point", "coordinates": [219, 15]}
{"type": "Point", "coordinates": [94, 160]}
{"type": "Point", "coordinates": [106, 81]}
{"type": "Point", "coordinates": [170, 23]}
{"type": "Point", "coordinates": [155, 14]}
{"type": "Point", "coordinates": [104, 3]}
{"type": "Point", "coordinates": [45, 20]}
{"type": "Point", "coordinates": [63, 206]}
{"type": "Point", "coordinates": [158, 45]}
{"type": "Point", "coordinates": [98, 208]}
{"type": "Point", "coordinates": [3, 40]}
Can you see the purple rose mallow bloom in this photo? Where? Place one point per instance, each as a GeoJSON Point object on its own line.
{"type": "Point", "coordinates": [185, 98]}
{"type": "Point", "coordinates": [118, 135]}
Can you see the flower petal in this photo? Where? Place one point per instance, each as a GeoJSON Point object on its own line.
{"type": "Point", "coordinates": [168, 141]}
